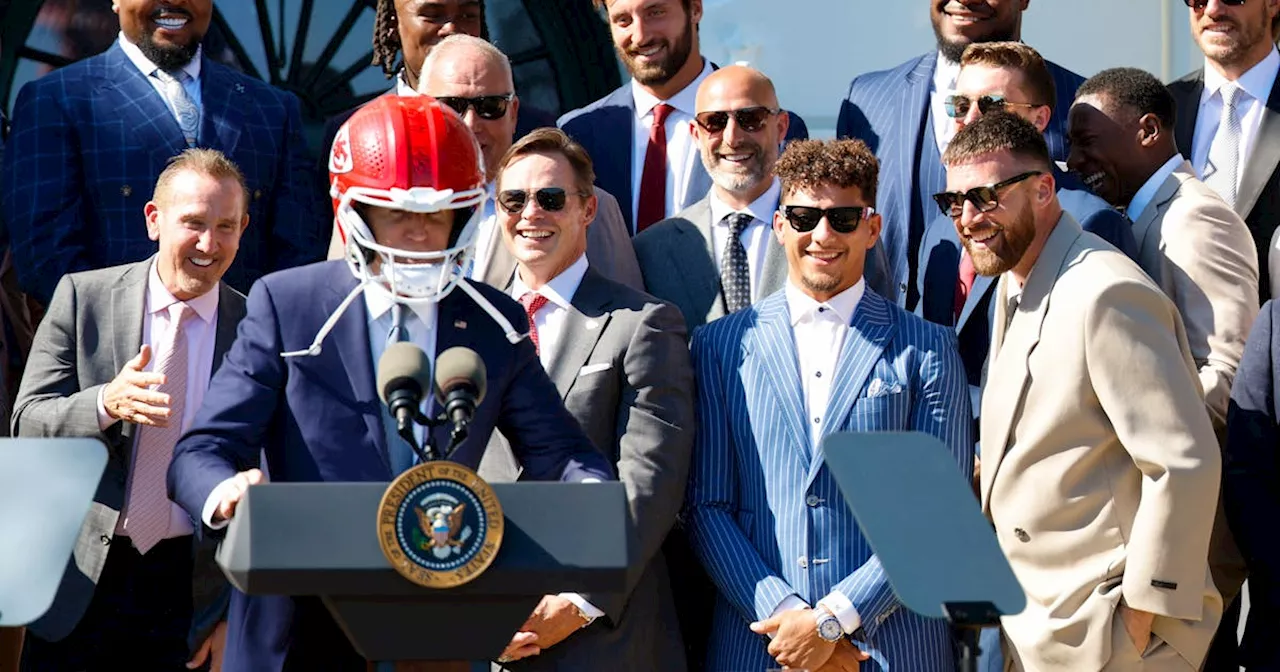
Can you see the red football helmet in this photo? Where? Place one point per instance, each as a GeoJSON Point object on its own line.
{"type": "Point", "coordinates": [407, 153]}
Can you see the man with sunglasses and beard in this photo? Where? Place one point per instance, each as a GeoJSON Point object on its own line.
{"type": "Point", "coordinates": [640, 135]}
{"type": "Point", "coordinates": [90, 140]}
{"type": "Point", "coordinates": [473, 78]}
{"type": "Point", "coordinates": [1100, 467]}
{"type": "Point", "coordinates": [824, 355]}
{"type": "Point", "coordinates": [900, 113]}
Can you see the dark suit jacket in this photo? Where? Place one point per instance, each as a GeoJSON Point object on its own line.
{"type": "Point", "coordinates": [93, 326]}
{"type": "Point", "coordinates": [1251, 483]}
{"type": "Point", "coordinates": [889, 111]}
{"type": "Point", "coordinates": [319, 419]}
{"type": "Point", "coordinates": [1258, 199]}
{"type": "Point", "coordinates": [90, 140]}
{"type": "Point", "coordinates": [622, 367]}
{"type": "Point", "coordinates": [607, 128]}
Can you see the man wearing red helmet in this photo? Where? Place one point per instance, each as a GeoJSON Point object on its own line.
{"type": "Point", "coordinates": [299, 379]}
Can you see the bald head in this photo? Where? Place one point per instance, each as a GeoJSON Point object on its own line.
{"type": "Point", "coordinates": [739, 130]}
{"type": "Point", "coordinates": [464, 58]}
{"type": "Point", "coordinates": [733, 85]}
{"type": "Point", "coordinates": [464, 67]}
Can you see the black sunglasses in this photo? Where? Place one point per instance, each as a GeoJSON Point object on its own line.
{"type": "Point", "coordinates": [551, 199]}
{"type": "Point", "coordinates": [486, 107]}
{"type": "Point", "coordinates": [804, 218]}
{"type": "Point", "coordinates": [1199, 4]}
{"type": "Point", "coordinates": [985, 199]}
{"type": "Point", "coordinates": [957, 105]}
{"type": "Point", "coordinates": [750, 119]}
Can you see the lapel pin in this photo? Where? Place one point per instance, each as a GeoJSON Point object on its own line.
{"type": "Point", "coordinates": [239, 87]}
{"type": "Point", "coordinates": [459, 324]}
{"type": "Point", "coordinates": [126, 191]}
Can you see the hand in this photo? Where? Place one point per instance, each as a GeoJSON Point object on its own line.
{"type": "Point", "coordinates": [128, 398]}
{"type": "Point", "coordinates": [523, 645]}
{"type": "Point", "coordinates": [795, 639]}
{"type": "Point", "coordinates": [845, 658]}
{"type": "Point", "coordinates": [232, 494]}
{"type": "Point", "coordinates": [212, 648]}
{"type": "Point", "coordinates": [1138, 625]}
{"type": "Point", "coordinates": [554, 619]}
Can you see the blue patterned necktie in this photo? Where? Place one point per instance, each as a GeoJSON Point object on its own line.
{"type": "Point", "coordinates": [735, 275]}
{"type": "Point", "coordinates": [184, 108]}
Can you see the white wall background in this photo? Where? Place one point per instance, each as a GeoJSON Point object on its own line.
{"type": "Point", "coordinates": [812, 48]}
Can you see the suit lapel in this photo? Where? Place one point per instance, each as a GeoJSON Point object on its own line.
{"type": "Point", "coordinates": [154, 126]}
{"type": "Point", "coordinates": [128, 311]}
{"type": "Point", "coordinates": [584, 323]}
{"type": "Point", "coordinates": [1264, 157]}
{"type": "Point", "coordinates": [222, 103]}
{"type": "Point", "coordinates": [500, 266]}
{"type": "Point", "coordinates": [1189, 111]}
{"type": "Point", "coordinates": [769, 364]}
{"type": "Point", "coordinates": [1011, 349]}
{"type": "Point", "coordinates": [617, 127]}
{"type": "Point", "coordinates": [981, 285]}
{"type": "Point", "coordinates": [774, 275]}
{"type": "Point", "coordinates": [230, 310]}
{"type": "Point", "coordinates": [708, 283]}
{"type": "Point", "coordinates": [869, 330]}
{"type": "Point", "coordinates": [351, 338]}
{"type": "Point", "coordinates": [1142, 226]}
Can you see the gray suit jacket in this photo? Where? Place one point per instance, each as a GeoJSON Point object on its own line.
{"type": "Point", "coordinates": [92, 327]}
{"type": "Point", "coordinates": [677, 260]}
{"type": "Point", "coordinates": [608, 249]}
{"type": "Point", "coordinates": [622, 366]}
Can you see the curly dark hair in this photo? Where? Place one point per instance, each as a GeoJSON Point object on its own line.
{"type": "Point", "coordinates": [386, 36]}
{"type": "Point", "coordinates": [808, 164]}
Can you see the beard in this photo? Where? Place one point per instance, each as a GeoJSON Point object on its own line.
{"type": "Point", "coordinates": [657, 74]}
{"type": "Point", "coordinates": [1018, 235]}
{"type": "Point", "coordinates": [748, 177]}
{"type": "Point", "coordinates": [168, 56]}
{"type": "Point", "coordinates": [1236, 50]}
{"type": "Point", "coordinates": [953, 50]}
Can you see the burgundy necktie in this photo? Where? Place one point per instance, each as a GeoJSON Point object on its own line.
{"type": "Point", "coordinates": [963, 284]}
{"type": "Point", "coordinates": [653, 181]}
{"type": "Point", "coordinates": [533, 302]}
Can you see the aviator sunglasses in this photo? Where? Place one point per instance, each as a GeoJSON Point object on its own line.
{"type": "Point", "coordinates": [486, 107]}
{"type": "Point", "coordinates": [750, 119]}
{"type": "Point", "coordinates": [550, 199]}
{"type": "Point", "coordinates": [804, 218]}
{"type": "Point", "coordinates": [1200, 4]}
{"type": "Point", "coordinates": [985, 198]}
{"type": "Point", "coordinates": [957, 105]}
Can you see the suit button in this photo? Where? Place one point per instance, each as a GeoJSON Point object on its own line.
{"type": "Point", "coordinates": [126, 191]}
{"type": "Point", "coordinates": [804, 562]}
{"type": "Point", "coordinates": [813, 500]}
{"type": "Point", "coordinates": [1021, 534]}
{"type": "Point", "coordinates": [106, 541]}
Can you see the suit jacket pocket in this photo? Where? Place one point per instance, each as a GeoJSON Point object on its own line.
{"type": "Point", "coordinates": [884, 411]}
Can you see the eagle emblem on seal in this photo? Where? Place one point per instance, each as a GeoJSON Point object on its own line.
{"type": "Point", "coordinates": [441, 525]}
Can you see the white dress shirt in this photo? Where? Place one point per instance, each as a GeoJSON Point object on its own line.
{"type": "Point", "coordinates": [755, 237]}
{"type": "Point", "coordinates": [945, 74]}
{"type": "Point", "coordinates": [1142, 198]}
{"type": "Point", "coordinates": [402, 86]}
{"type": "Point", "coordinates": [549, 321]}
{"type": "Point", "coordinates": [422, 332]}
{"type": "Point", "coordinates": [1255, 87]}
{"type": "Point", "coordinates": [819, 330]}
{"type": "Point", "coordinates": [200, 335]}
{"type": "Point", "coordinates": [147, 68]}
{"type": "Point", "coordinates": [682, 148]}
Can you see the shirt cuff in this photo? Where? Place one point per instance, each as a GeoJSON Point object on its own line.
{"type": "Point", "coordinates": [587, 608]}
{"type": "Point", "coordinates": [104, 419]}
{"type": "Point", "coordinates": [843, 610]}
{"type": "Point", "coordinates": [211, 505]}
{"type": "Point", "coordinates": [792, 602]}
{"type": "Point", "coordinates": [591, 479]}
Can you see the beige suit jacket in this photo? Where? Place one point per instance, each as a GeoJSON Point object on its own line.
{"type": "Point", "coordinates": [1202, 255]}
{"type": "Point", "coordinates": [1100, 467]}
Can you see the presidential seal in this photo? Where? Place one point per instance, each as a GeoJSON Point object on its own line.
{"type": "Point", "coordinates": [440, 525]}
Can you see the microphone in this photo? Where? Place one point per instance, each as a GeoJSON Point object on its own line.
{"type": "Point", "coordinates": [404, 376]}
{"type": "Point", "coordinates": [459, 387]}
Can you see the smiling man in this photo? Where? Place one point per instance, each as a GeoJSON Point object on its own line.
{"type": "Point", "coordinates": [90, 140]}
{"type": "Point", "coordinates": [890, 109]}
{"type": "Point", "coordinates": [125, 355]}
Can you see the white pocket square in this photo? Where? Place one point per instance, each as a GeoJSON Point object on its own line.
{"type": "Point", "coordinates": [879, 388]}
{"type": "Point", "coordinates": [595, 368]}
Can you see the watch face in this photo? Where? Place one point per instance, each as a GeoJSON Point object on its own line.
{"type": "Point", "coordinates": [829, 629]}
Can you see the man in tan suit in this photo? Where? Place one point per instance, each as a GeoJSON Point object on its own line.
{"type": "Point", "coordinates": [1101, 468]}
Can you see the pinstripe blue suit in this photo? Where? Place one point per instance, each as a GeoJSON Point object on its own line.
{"type": "Point", "coordinates": [766, 517]}
{"type": "Point", "coordinates": [89, 141]}
{"type": "Point", "coordinates": [890, 111]}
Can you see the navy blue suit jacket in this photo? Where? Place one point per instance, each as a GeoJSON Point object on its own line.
{"type": "Point", "coordinates": [89, 141]}
{"type": "Point", "coordinates": [1251, 484]}
{"type": "Point", "coordinates": [606, 128]}
{"type": "Point", "coordinates": [888, 110]}
{"type": "Point", "coordinates": [319, 419]}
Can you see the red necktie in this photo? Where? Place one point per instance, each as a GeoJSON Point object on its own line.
{"type": "Point", "coordinates": [653, 181]}
{"type": "Point", "coordinates": [533, 302]}
{"type": "Point", "coordinates": [964, 283]}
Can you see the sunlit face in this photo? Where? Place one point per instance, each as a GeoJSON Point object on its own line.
{"type": "Point", "coordinates": [465, 72]}
{"type": "Point", "coordinates": [654, 38]}
{"type": "Point", "coordinates": [197, 220]}
{"type": "Point", "coordinates": [1104, 149]}
{"type": "Point", "coordinates": [423, 23]}
{"type": "Point", "coordinates": [545, 242]}
{"type": "Point", "coordinates": [739, 161]}
{"type": "Point", "coordinates": [824, 262]}
{"type": "Point", "coordinates": [960, 23]}
{"type": "Point", "coordinates": [978, 80]}
{"type": "Point", "coordinates": [997, 240]}
{"type": "Point", "coordinates": [1234, 35]}
{"type": "Point", "coordinates": [168, 32]}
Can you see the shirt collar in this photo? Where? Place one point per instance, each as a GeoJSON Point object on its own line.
{"type": "Point", "coordinates": [144, 64]}
{"type": "Point", "coordinates": [1148, 191]}
{"type": "Point", "coordinates": [762, 208]}
{"type": "Point", "coordinates": [379, 304]}
{"type": "Point", "coordinates": [1256, 82]}
{"type": "Point", "coordinates": [159, 298]}
{"type": "Point", "coordinates": [402, 86]}
{"type": "Point", "coordinates": [685, 101]}
{"type": "Point", "coordinates": [944, 74]}
{"type": "Point", "coordinates": [843, 304]}
{"type": "Point", "coordinates": [560, 289]}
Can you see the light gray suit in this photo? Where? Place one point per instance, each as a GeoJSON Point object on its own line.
{"type": "Point", "coordinates": [608, 249]}
{"type": "Point", "coordinates": [92, 328]}
{"type": "Point", "coordinates": [621, 363]}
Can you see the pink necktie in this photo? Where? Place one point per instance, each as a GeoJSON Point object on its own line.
{"type": "Point", "coordinates": [149, 510]}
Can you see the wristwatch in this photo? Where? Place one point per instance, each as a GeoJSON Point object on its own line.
{"type": "Point", "coordinates": [829, 628]}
